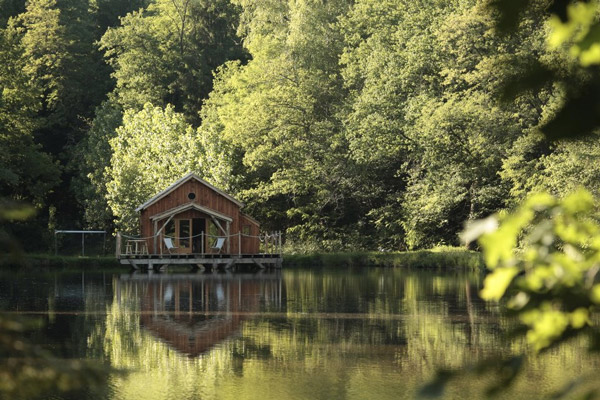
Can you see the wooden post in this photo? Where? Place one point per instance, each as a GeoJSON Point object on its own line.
{"type": "Point", "coordinates": [155, 237]}
{"type": "Point", "coordinates": [118, 246]}
{"type": "Point", "coordinates": [240, 244]}
{"type": "Point", "coordinates": [228, 226]}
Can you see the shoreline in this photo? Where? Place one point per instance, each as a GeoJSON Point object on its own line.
{"type": "Point", "coordinates": [437, 258]}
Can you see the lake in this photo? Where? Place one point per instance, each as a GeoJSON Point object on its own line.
{"type": "Point", "coordinates": [361, 333]}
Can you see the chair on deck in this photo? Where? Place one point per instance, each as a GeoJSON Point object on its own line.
{"type": "Point", "coordinates": [218, 245]}
{"type": "Point", "coordinates": [169, 244]}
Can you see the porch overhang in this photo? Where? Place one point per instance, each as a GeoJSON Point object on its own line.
{"type": "Point", "coordinates": [190, 206]}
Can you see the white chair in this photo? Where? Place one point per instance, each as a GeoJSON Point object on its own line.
{"type": "Point", "coordinates": [218, 245]}
{"type": "Point", "coordinates": [169, 244]}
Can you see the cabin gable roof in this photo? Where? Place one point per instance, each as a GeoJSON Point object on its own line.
{"type": "Point", "coordinates": [181, 181]}
{"type": "Point", "coordinates": [250, 219]}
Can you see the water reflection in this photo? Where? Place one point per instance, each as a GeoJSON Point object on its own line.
{"type": "Point", "coordinates": [194, 312]}
{"type": "Point", "coordinates": [318, 334]}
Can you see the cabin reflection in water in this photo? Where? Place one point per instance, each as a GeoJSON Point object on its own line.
{"type": "Point", "coordinates": [194, 312]}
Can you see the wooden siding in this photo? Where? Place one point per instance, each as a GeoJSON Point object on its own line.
{"type": "Point", "coordinates": [205, 197]}
{"type": "Point", "coordinates": [250, 245]}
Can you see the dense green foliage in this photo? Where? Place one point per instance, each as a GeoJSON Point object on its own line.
{"type": "Point", "coordinates": [347, 124]}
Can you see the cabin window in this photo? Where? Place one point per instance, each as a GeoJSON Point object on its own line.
{"type": "Point", "coordinates": [184, 233]}
{"type": "Point", "coordinates": [191, 196]}
{"type": "Point", "coordinates": [246, 229]}
{"type": "Point", "coordinates": [170, 229]}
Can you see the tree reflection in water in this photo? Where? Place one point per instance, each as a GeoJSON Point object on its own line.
{"type": "Point", "coordinates": [304, 333]}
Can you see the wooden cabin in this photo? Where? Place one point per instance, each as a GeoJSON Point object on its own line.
{"type": "Point", "coordinates": [194, 213]}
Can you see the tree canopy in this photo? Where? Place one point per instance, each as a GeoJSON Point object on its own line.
{"type": "Point", "coordinates": [348, 124]}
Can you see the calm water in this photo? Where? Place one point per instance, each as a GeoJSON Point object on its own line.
{"type": "Point", "coordinates": [298, 334]}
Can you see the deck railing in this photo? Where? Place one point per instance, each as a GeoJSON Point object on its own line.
{"type": "Point", "coordinates": [126, 245]}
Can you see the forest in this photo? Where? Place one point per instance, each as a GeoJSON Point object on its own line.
{"type": "Point", "coordinates": [349, 125]}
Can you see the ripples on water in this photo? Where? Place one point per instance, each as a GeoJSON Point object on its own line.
{"type": "Point", "coordinates": [297, 334]}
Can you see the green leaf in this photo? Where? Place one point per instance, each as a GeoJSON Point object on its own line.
{"type": "Point", "coordinates": [595, 294]}
{"type": "Point", "coordinates": [496, 283]}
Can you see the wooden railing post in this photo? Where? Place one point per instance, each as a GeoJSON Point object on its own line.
{"type": "Point", "coordinates": [118, 246]}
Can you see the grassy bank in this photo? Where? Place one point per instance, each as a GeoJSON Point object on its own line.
{"type": "Point", "coordinates": [439, 258]}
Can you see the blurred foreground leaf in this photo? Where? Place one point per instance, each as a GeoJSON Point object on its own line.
{"type": "Point", "coordinates": [544, 259]}
{"type": "Point", "coordinates": [15, 211]}
{"type": "Point", "coordinates": [27, 371]}
{"type": "Point", "coordinates": [550, 280]}
{"type": "Point", "coordinates": [10, 211]}
{"type": "Point", "coordinates": [574, 30]}
{"type": "Point", "coordinates": [503, 370]}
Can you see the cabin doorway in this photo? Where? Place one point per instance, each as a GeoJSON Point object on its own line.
{"type": "Point", "coordinates": [183, 228]}
{"type": "Point", "coordinates": [198, 235]}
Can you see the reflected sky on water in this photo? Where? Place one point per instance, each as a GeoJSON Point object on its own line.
{"type": "Point", "coordinates": [363, 333]}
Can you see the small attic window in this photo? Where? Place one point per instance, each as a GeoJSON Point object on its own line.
{"type": "Point", "coordinates": [191, 196]}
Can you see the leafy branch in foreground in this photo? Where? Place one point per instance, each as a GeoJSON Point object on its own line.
{"type": "Point", "coordinates": [574, 32]}
{"type": "Point", "coordinates": [27, 371]}
{"type": "Point", "coordinates": [552, 280]}
{"type": "Point", "coordinates": [544, 260]}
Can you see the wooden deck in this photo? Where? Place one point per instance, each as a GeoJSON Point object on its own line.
{"type": "Point", "coordinates": [204, 261]}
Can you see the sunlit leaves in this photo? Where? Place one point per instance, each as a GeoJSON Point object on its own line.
{"type": "Point", "coordinates": [422, 79]}
{"type": "Point", "coordinates": [501, 242]}
{"type": "Point", "coordinates": [152, 149]}
{"type": "Point", "coordinates": [93, 155]}
{"type": "Point", "coordinates": [166, 53]}
{"type": "Point", "coordinates": [280, 114]}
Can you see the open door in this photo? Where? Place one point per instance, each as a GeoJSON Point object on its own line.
{"type": "Point", "coordinates": [198, 235]}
